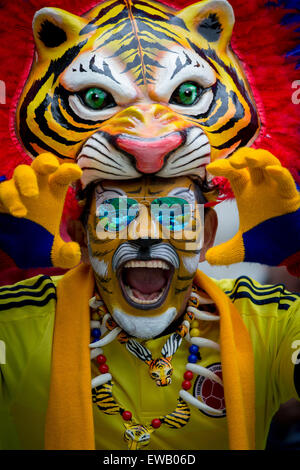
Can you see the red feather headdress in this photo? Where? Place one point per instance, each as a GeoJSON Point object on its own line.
{"type": "Point", "coordinates": [264, 39]}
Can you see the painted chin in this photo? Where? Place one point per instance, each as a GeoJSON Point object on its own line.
{"type": "Point", "coordinates": [145, 284]}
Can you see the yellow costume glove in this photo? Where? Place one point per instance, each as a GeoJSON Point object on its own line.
{"type": "Point", "coordinates": [268, 203]}
{"type": "Point", "coordinates": [31, 206]}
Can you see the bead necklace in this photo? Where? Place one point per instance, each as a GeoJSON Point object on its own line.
{"type": "Point", "coordinates": [161, 369]}
{"type": "Point", "coordinates": [138, 435]}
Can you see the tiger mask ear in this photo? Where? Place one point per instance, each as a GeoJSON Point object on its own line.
{"type": "Point", "coordinates": [54, 29]}
{"type": "Point", "coordinates": [213, 20]}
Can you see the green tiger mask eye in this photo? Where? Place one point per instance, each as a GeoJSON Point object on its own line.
{"type": "Point", "coordinates": [97, 99]}
{"type": "Point", "coordinates": [187, 94]}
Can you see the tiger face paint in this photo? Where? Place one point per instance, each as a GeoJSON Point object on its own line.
{"type": "Point", "coordinates": [144, 241]}
{"type": "Point", "coordinates": [136, 87]}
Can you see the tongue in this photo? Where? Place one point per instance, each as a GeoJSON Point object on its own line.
{"type": "Point", "coordinates": [146, 280]}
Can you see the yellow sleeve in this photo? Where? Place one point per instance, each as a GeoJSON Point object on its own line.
{"type": "Point", "coordinates": [272, 316]}
{"type": "Point", "coordinates": [26, 327]}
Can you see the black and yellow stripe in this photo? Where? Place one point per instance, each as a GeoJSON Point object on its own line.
{"type": "Point", "coordinates": [246, 288]}
{"type": "Point", "coordinates": [36, 292]}
{"type": "Point", "coordinates": [102, 396]}
{"type": "Point", "coordinates": [137, 33]}
{"type": "Point", "coordinates": [178, 418]}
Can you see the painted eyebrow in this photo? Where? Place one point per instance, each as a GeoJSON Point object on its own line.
{"type": "Point", "coordinates": [180, 65]}
{"type": "Point", "coordinates": [106, 69]}
{"type": "Point", "coordinates": [153, 193]}
{"type": "Point", "coordinates": [114, 190]}
{"type": "Point", "coordinates": [135, 191]}
{"type": "Point", "coordinates": [185, 190]}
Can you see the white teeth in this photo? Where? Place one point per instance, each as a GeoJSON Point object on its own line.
{"type": "Point", "coordinates": [146, 264]}
{"type": "Point", "coordinates": [140, 301]}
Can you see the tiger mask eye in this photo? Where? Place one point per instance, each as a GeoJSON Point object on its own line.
{"type": "Point", "coordinates": [97, 99]}
{"type": "Point", "coordinates": [187, 94]}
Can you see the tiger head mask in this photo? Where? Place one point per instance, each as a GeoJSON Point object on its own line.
{"type": "Point", "coordinates": [144, 241]}
{"type": "Point", "coordinates": [136, 87]}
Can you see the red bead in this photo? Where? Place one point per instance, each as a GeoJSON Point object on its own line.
{"type": "Point", "coordinates": [126, 415]}
{"type": "Point", "coordinates": [101, 359]}
{"type": "Point", "coordinates": [186, 384]}
{"type": "Point", "coordinates": [156, 423]}
{"type": "Point", "coordinates": [188, 375]}
{"type": "Point", "coordinates": [104, 368]}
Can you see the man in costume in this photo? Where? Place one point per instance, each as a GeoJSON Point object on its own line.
{"type": "Point", "coordinates": [143, 305]}
{"type": "Point", "coordinates": [164, 112]}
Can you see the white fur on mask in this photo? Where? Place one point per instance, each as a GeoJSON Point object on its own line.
{"type": "Point", "coordinates": [144, 327]}
{"type": "Point", "coordinates": [191, 263]}
{"type": "Point", "coordinates": [99, 266]}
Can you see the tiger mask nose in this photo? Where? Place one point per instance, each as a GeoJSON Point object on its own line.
{"type": "Point", "coordinates": [149, 153]}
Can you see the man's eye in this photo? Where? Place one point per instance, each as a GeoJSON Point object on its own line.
{"type": "Point", "coordinates": [187, 94]}
{"type": "Point", "coordinates": [97, 99]}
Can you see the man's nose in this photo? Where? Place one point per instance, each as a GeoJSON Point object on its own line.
{"type": "Point", "coordinates": [144, 226]}
{"type": "Point", "coordinates": [146, 243]}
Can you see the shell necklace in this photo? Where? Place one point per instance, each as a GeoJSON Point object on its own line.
{"type": "Point", "coordinates": [105, 330]}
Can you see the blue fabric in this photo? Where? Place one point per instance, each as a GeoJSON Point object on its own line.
{"type": "Point", "coordinates": [274, 240]}
{"type": "Point", "coordinates": [26, 242]}
{"type": "Point", "coordinates": [291, 18]}
{"type": "Point", "coordinates": [294, 52]}
{"type": "Point", "coordinates": [289, 4]}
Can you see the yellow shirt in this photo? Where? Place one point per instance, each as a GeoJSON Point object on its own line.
{"type": "Point", "coordinates": [27, 313]}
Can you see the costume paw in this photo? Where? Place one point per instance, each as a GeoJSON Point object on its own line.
{"type": "Point", "coordinates": [65, 255]}
{"type": "Point", "coordinates": [268, 203]}
{"type": "Point", "coordinates": [31, 206]}
{"type": "Point", "coordinates": [227, 253]}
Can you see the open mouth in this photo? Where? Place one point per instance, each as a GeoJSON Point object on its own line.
{"type": "Point", "coordinates": [145, 284]}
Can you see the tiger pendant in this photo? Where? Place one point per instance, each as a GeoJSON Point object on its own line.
{"type": "Point", "coordinates": [137, 435]}
{"type": "Point", "coordinates": [161, 370]}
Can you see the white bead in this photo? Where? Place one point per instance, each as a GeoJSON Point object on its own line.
{"type": "Point", "coordinates": [205, 343]}
{"type": "Point", "coordinates": [200, 370]}
{"type": "Point", "coordinates": [186, 396]}
{"type": "Point", "coordinates": [101, 379]}
{"type": "Point", "coordinates": [186, 323]}
{"type": "Point", "coordinates": [200, 315]}
{"type": "Point", "coordinates": [95, 352]}
{"type": "Point", "coordinates": [107, 339]}
{"type": "Point", "coordinates": [93, 303]}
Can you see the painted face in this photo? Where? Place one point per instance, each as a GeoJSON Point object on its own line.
{"type": "Point", "coordinates": [133, 88]}
{"type": "Point", "coordinates": [144, 240]}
